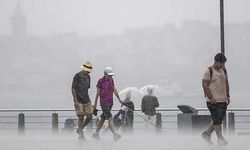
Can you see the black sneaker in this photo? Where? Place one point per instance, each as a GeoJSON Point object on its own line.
{"type": "Point", "coordinates": [206, 137]}
{"type": "Point", "coordinates": [116, 137]}
{"type": "Point", "coordinates": [96, 136]}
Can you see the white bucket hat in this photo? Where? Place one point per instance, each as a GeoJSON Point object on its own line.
{"type": "Point", "coordinates": [108, 71]}
{"type": "Point", "coordinates": [87, 66]}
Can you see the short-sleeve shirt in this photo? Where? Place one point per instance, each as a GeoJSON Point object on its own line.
{"type": "Point", "coordinates": [81, 84]}
{"type": "Point", "coordinates": [217, 84]}
{"type": "Point", "coordinates": [106, 87]}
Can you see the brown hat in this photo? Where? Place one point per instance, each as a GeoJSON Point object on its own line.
{"type": "Point", "coordinates": [87, 66]}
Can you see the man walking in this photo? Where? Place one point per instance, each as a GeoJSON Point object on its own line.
{"type": "Point", "coordinates": [148, 105]}
{"type": "Point", "coordinates": [216, 90]}
{"type": "Point", "coordinates": [105, 90]}
{"type": "Point", "coordinates": [82, 103]}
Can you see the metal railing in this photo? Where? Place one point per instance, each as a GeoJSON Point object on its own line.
{"type": "Point", "coordinates": [237, 120]}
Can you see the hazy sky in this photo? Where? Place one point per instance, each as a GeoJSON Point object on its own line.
{"type": "Point", "coordinates": [112, 16]}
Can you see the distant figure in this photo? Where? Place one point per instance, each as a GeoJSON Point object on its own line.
{"type": "Point", "coordinates": [125, 116]}
{"type": "Point", "coordinates": [216, 90]}
{"type": "Point", "coordinates": [148, 105]}
{"type": "Point", "coordinates": [105, 90]}
{"type": "Point", "coordinates": [82, 103]}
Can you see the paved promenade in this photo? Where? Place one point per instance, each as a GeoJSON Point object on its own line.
{"type": "Point", "coordinates": [62, 141]}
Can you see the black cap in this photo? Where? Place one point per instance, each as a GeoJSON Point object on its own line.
{"type": "Point", "coordinates": [220, 58]}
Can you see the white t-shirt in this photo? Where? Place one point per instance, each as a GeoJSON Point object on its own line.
{"type": "Point", "coordinates": [217, 85]}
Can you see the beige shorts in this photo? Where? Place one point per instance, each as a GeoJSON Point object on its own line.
{"type": "Point", "coordinates": [84, 109]}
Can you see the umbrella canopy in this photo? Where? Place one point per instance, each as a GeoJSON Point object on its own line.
{"type": "Point", "coordinates": [135, 96]}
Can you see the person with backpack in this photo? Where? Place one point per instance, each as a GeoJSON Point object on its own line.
{"type": "Point", "coordinates": [216, 89]}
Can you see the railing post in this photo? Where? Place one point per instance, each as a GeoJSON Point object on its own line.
{"type": "Point", "coordinates": [231, 122]}
{"type": "Point", "coordinates": [21, 123]}
{"type": "Point", "coordinates": [54, 122]}
{"type": "Point", "coordinates": [225, 124]}
{"type": "Point", "coordinates": [158, 125]}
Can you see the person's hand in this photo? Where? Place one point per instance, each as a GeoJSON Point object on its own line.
{"type": "Point", "coordinates": [212, 100]}
{"type": "Point", "coordinates": [76, 104]}
{"type": "Point", "coordinates": [228, 100]}
{"type": "Point", "coordinates": [95, 112]}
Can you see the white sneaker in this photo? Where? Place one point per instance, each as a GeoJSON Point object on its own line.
{"type": "Point", "coordinates": [222, 142]}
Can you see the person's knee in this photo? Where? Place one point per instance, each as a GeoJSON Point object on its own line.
{"type": "Point", "coordinates": [89, 116]}
{"type": "Point", "coordinates": [217, 122]}
{"type": "Point", "coordinates": [80, 117]}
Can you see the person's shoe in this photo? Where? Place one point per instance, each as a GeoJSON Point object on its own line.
{"type": "Point", "coordinates": [79, 132]}
{"type": "Point", "coordinates": [206, 137]}
{"type": "Point", "coordinates": [222, 142]}
{"type": "Point", "coordinates": [96, 136]}
{"type": "Point", "coordinates": [116, 137]}
{"type": "Point", "coordinates": [81, 135]}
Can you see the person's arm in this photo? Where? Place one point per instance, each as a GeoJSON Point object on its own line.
{"type": "Point", "coordinates": [117, 94]}
{"type": "Point", "coordinates": [142, 105]}
{"type": "Point", "coordinates": [206, 79]}
{"type": "Point", "coordinates": [96, 97]}
{"type": "Point", "coordinates": [207, 91]}
{"type": "Point", "coordinates": [73, 91]}
{"type": "Point", "coordinates": [228, 91]}
{"type": "Point", "coordinates": [74, 95]}
{"type": "Point", "coordinates": [156, 102]}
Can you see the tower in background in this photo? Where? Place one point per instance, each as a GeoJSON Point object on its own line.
{"type": "Point", "coordinates": [18, 22]}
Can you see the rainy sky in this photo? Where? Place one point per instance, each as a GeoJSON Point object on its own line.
{"type": "Point", "coordinates": [112, 16]}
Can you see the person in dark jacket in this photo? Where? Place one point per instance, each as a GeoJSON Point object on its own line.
{"type": "Point", "coordinates": [148, 105]}
{"type": "Point", "coordinates": [125, 116]}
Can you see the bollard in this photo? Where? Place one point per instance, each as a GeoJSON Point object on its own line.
{"type": "Point", "coordinates": [69, 124]}
{"type": "Point", "coordinates": [225, 124]}
{"type": "Point", "coordinates": [158, 125]}
{"type": "Point", "coordinates": [231, 123]}
{"type": "Point", "coordinates": [54, 122]}
{"type": "Point", "coordinates": [21, 123]}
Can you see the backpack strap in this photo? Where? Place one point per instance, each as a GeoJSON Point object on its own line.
{"type": "Point", "coordinates": [210, 71]}
{"type": "Point", "coordinates": [211, 74]}
{"type": "Point", "coordinates": [225, 71]}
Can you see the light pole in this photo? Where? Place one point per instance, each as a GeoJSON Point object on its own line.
{"type": "Point", "coordinates": [222, 26]}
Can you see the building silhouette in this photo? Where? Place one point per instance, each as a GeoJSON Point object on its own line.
{"type": "Point", "coordinates": [18, 22]}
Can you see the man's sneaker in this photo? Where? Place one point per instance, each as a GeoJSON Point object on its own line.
{"type": "Point", "coordinates": [206, 137]}
{"type": "Point", "coordinates": [81, 135]}
{"type": "Point", "coordinates": [222, 142]}
{"type": "Point", "coordinates": [79, 132]}
{"type": "Point", "coordinates": [96, 136]}
{"type": "Point", "coordinates": [116, 137]}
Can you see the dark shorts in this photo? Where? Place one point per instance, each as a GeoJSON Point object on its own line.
{"type": "Point", "coordinates": [218, 112]}
{"type": "Point", "coordinates": [106, 113]}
